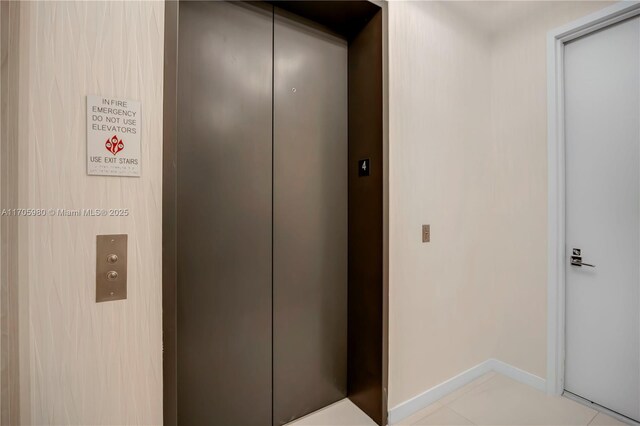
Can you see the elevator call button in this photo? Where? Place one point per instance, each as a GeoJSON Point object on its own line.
{"type": "Point", "coordinates": [111, 267]}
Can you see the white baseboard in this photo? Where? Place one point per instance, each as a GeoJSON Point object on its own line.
{"type": "Point", "coordinates": [437, 392]}
{"type": "Point", "coordinates": [428, 397]}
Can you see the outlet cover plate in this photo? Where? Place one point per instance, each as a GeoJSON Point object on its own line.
{"type": "Point", "coordinates": [426, 233]}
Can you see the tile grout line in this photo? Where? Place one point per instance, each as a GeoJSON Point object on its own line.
{"type": "Point", "coordinates": [414, 423]}
{"type": "Point", "coordinates": [470, 389]}
{"type": "Point", "coordinates": [438, 405]}
{"type": "Point", "coordinates": [486, 381]}
{"type": "Point", "coordinates": [464, 417]}
{"type": "Point", "coordinates": [447, 405]}
{"type": "Point", "coordinates": [593, 418]}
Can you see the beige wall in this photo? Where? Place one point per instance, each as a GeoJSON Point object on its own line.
{"type": "Point", "coordinates": [468, 155]}
{"type": "Point", "coordinates": [439, 174]}
{"type": "Point", "coordinates": [519, 145]}
{"type": "Point", "coordinates": [91, 363]}
{"type": "Point", "coordinates": [12, 113]}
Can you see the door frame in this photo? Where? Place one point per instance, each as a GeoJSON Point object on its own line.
{"type": "Point", "coordinates": [556, 290]}
{"type": "Point", "coordinates": [361, 393]}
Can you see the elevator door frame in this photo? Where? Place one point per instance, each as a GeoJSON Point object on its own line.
{"type": "Point", "coordinates": [368, 199]}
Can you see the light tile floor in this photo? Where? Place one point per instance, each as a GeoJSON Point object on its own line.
{"type": "Point", "coordinates": [492, 399]}
{"type": "Point", "coordinates": [342, 413]}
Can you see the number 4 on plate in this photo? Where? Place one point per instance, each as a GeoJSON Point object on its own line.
{"type": "Point", "coordinates": [363, 167]}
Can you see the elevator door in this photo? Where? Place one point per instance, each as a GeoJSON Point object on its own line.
{"type": "Point", "coordinates": [224, 215]}
{"type": "Point", "coordinates": [262, 215]}
{"type": "Point", "coordinates": [310, 218]}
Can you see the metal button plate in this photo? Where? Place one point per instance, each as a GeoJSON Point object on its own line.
{"type": "Point", "coordinates": [111, 267]}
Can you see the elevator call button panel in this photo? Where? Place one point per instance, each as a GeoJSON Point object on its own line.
{"type": "Point", "coordinates": [111, 267]}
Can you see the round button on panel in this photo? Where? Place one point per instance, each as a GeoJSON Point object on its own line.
{"type": "Point", "coordinates": [112, 258]}
{"type": "Point", "coordinates": [112, 275]}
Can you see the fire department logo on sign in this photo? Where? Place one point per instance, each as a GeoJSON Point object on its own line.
{"type": "Point", "coordinates": [111, 122]}
{"type": "Point", "coordinates": [114, 145]}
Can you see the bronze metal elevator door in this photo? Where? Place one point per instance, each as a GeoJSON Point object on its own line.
{"type": "Point", "coordinates": [262, 215]}
{"type": "Point", "coordinates": [309, 218]}
{"type": "Point", "coordinates": [224, 214]}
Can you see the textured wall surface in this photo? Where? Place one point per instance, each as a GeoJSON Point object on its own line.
{"type": "Point", "coordinates": [9, 170]}
{"type": "Point", "coordinates": [439, 68]}
{"type": "Point", "coordinates": [519, 152]}
{"type": "Point", "coordinates": [92, 363]}
{"type": "Point", "coordinates": [467, 119]}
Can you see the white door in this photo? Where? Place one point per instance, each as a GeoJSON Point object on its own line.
{"type": "Point", "coordinates": [602, 113]}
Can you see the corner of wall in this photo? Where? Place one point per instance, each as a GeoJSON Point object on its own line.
{"type": "Point", "coordinates": [428, 397]}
